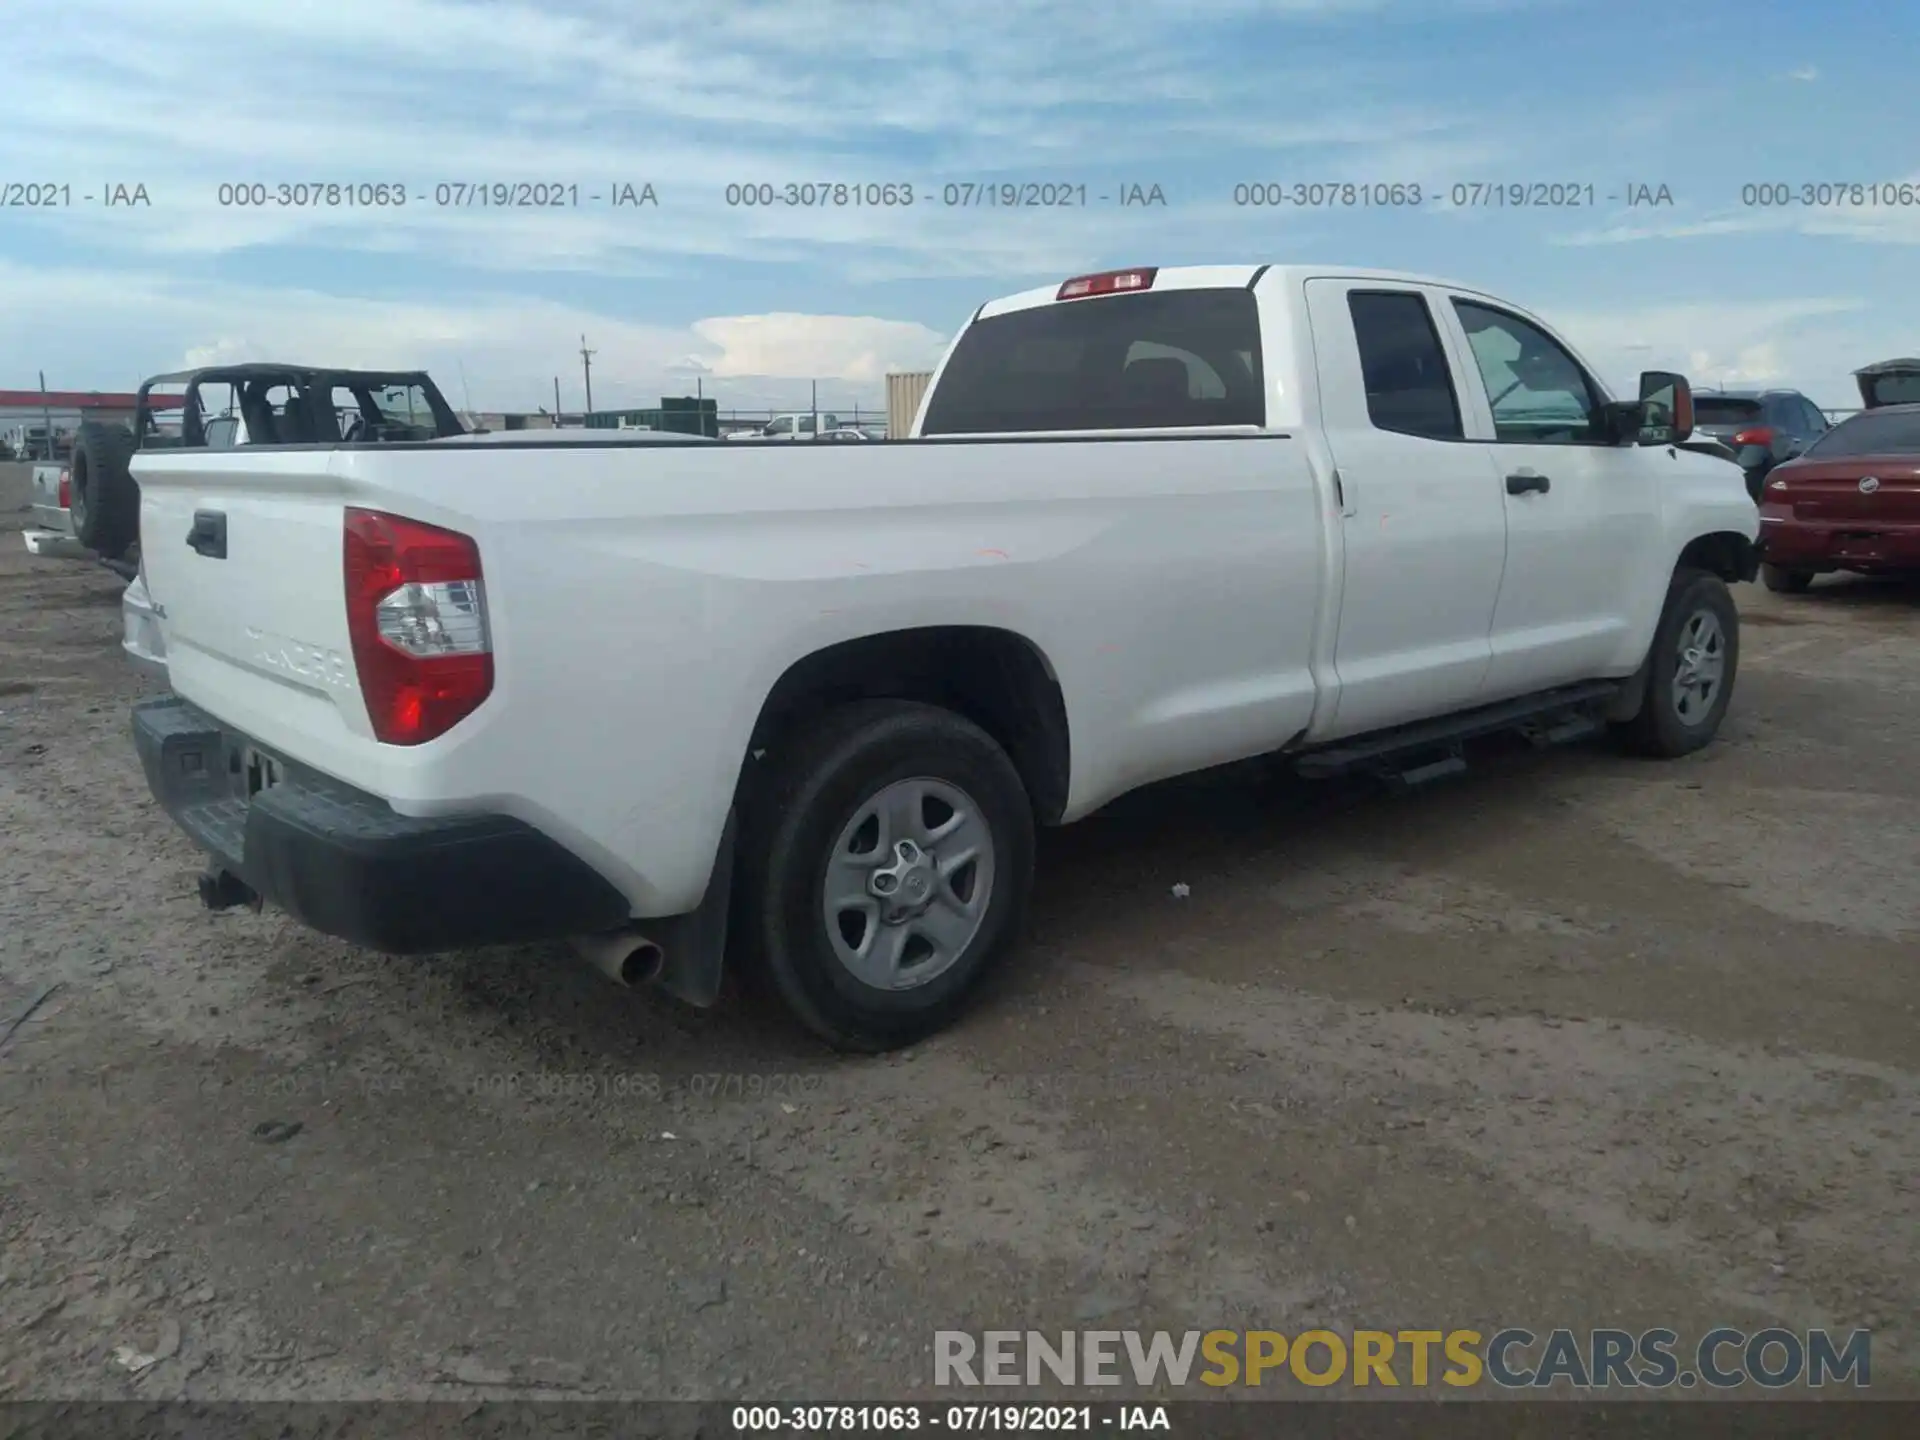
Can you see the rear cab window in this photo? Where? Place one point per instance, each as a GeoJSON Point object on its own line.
{"type": "Point", "coordinates": [1169, 359]}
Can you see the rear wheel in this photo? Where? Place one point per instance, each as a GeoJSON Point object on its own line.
{"type": "Point", "coordinates": [888, 863]}
{"type": "Point", "coordinates": [1690, 669]}
{"type": "Point", "coordinates": [1783, 581]}
{"type": "Point", "coordinates": [102, 499]}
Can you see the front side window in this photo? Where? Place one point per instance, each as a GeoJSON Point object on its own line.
{"type": "Point", "coordinates": [1539, 393]}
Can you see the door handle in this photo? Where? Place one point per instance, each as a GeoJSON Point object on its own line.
{"type": "Point", "coordinates": [208, 536]}
{"type": "Point", "coordinates": [1526, 481]}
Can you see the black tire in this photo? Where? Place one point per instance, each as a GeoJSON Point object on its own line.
{"type": "Point", "coordinates": [1661, 728]}
{"type": "Point", "coordinates": [103, 498]}
{"type": "Point", "coordinates": [793, 822]}
{"type": "Point", "coordinates": [1785, 582]}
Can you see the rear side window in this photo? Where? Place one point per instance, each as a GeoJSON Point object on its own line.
{"type": "Point", "coordinates": [1409, 385]}
{"type": "Point", "coordinates": [1174, 358]}
{"type": "Point", "coordinates": [1872, 432]}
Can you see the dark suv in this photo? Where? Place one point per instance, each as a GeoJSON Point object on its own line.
{"type": "Point", "coordinates": [1763, 427]}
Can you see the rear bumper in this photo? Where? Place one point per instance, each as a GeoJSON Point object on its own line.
{"type": "Point", "coordinates": [1838, 545]}
{"type": "Point", "coordinates": [346, 864]}
{"type": "Point", "coordinates": [56, 544]}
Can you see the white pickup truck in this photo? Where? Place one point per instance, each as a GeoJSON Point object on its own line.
{"type": "Point", "coordinates": [801, 425]}
{"type": "Point", "coordinates": [804, 711]}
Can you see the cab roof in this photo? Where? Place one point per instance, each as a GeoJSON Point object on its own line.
{"type": "Point", "coordinates": [1225, 277]}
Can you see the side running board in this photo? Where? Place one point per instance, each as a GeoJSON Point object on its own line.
{"type": "Point", "coordinates": [1405, 753]}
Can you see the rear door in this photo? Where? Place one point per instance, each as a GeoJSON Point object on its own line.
{"type": "Point", "coordinates": [1582, 513]}
{"type": "Point", "coordinates": [1423, 520]}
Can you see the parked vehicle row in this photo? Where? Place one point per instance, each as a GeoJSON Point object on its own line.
{"type": "Point", "coordinates": [91, 503]}
{"type": "Point", "coordinates": [805, 425]}
{"type": "Point", "coordinates": [1762, 427]}
{"type": "Point", "coordinates": [802, 713]}
{"type": "Point", "coordinates": [1851, 502]}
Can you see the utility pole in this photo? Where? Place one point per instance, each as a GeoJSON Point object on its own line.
{"type": "Point", "coordinates": [556, 399]}
{"type": "Point", "coordinates": [586, 367]}
{"type": "Point", "coordinates": [46, 416]}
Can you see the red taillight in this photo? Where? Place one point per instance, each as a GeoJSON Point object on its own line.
{"type": "Point", "coordinates": [1759, 435]}
{"type": "Point", "coordinates": [66, 489]}
{"type": "Point", "coordinates": [417, 617]}
{"type": "Point", "coordinates": [1108, 282]}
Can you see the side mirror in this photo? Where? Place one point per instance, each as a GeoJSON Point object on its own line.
{"type": "Point", "coordinates": [1666, 408]}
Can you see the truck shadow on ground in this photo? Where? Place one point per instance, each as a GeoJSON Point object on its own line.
{"type": "Point", "coordinates": [1225, 833]}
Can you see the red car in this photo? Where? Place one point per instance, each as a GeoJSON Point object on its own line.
{"type": "Point", "coordinates": [1850, 502]}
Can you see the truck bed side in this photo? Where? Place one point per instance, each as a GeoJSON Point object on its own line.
{"type": "Point", "coordinates": [644, 601]}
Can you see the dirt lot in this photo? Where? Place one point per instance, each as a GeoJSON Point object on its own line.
{"type": "Point", "coordinates": [1573, 1041]}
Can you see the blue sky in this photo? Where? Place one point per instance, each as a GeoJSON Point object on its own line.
{"type": "Point", "coordinates": [1195, 96]}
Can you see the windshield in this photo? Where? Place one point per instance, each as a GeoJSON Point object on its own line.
{"type": "Point", "coordinates": [1875, 432]}
{"type": "Point", "coordinates": [1126, 362]}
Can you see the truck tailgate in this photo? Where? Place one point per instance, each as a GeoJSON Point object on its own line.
{"type": "Point", "coordinates": [245, 564]}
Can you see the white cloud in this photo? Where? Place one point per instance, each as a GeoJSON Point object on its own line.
{"type": "Point", "coordinates": [845, 347]}
{"type": "Point", "coordinates": [688, 98]}
{"type": "Point", "coordinates": [1804, 73]}
{"type": "Point", "coordinates": [1810, 343]}
{"type": "Point", "coordinates": [508, 349]}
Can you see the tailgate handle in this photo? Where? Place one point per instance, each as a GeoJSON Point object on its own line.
{"type": "Point", "coordinates": [208, 536]}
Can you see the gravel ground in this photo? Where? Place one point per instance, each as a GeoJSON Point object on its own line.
{"type": "Point", "coordinates": [1572, 1041]}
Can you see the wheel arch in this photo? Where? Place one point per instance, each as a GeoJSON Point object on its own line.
{"type": "Point", "coordinates": [1727, 553]}
{"type": "Point", "coordinates": [999, 679]}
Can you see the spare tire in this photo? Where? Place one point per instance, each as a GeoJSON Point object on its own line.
{"type": "Point", "coordinates": [103, 499]}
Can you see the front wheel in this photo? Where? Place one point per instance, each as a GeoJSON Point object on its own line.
{"type": "Point", "coordinates": [1690, 669]}
{"type": "Point", "coordinates": [888, 865]}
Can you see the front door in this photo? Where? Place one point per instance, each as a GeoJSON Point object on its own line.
{"type": "Point", "coordinates": [1583, 515]}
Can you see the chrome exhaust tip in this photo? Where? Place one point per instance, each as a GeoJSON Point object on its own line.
{"type": "Point", "coordinates": [624, 956]}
